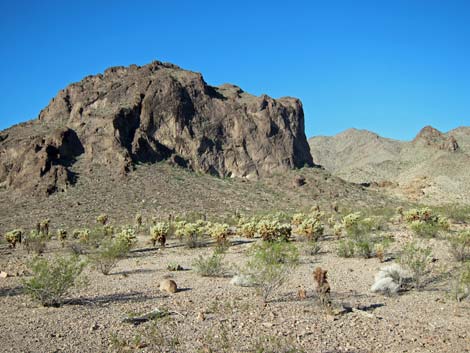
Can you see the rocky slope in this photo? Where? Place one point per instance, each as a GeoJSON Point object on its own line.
{"type": "Point", "coordinates": [132, 115]}
{"type": "Point", "coordinates": [433, 167]}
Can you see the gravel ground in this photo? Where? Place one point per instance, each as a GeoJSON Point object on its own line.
{"type": "Point", "coordinates": [211, 315]}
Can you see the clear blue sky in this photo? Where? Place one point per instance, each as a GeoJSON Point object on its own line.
{"type": "Point", "coordinates": [391, 66]}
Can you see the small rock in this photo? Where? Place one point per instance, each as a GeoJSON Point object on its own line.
{"type": "Point", "coordinates": [168, 285]}
{"type": "Point", "coordinates": [3, 274]}
{"type": "Point", "coordinates": [201, 316]}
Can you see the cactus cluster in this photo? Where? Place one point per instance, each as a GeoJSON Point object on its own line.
{"type": "Point", "coordinates": [159, 233]}
{"type": "Point", "coordinates": [13, 237]}
{"type": "Point", "coordinates": [424, 222]}
{"type": "Point", "coordinates": [272, 230]}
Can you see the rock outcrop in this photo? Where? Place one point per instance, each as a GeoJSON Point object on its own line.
{"type": "Point", "coordinates": [146, 114]}
{"type": "Point", "coordinates": [429, 136]}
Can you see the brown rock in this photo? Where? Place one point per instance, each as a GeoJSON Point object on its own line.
{"type": "Point", "coordinates": [168, 285]}
{"type": "Point", "coordinates": [152, 113]}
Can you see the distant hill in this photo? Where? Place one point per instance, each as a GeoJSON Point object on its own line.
{"type": "Point", "coordinates": [434, 167]}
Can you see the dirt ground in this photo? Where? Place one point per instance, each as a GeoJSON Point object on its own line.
{"type": "Point", "coordinates": [212, 315]}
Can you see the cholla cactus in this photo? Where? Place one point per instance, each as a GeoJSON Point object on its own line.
{"type": "Point", "coordinates": [351, 220]}
{"type": "Point", "coordinates": [159, 233]}
{"type": "Point", "coordinates": [311, 228]}
{"type": "Point", "coordinates": [248, 229]}
{"type": "Point", "coordinates": [338, 230]}
{"type": "Point", "coordinates": [61, 234]}
{"type": "Point", "coordinates": [190, 232]}
{"type": "Point", "coordinates": [102, 219]}
{"type": "Point", "coordinates": [423, 222]}
{"type": "Point", "coordinates": [13, 237]}
{"type": "Point", "coordinates": [127, 235]}
{"type": "Point", "coordinates": [108, 230]}
{"type": "Point", "coordinates": [331, 221]}
{"type": "Point", "coordinates": [138, 219]}
{"type": "Point", "coordinates": [42, 227]}
{"type": "Point", "coordinates": [84, 235]}
{"type": "Point", "coordinates": [219, 231]}
{"type": "Point", "coordinates": [297, 219]}
{"type": "Point", "coordinates": [273, 230]}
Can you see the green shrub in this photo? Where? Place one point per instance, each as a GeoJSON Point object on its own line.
{"type": "Point", "coordinates": [346, 248]}
{"type": "Point", "coordinates": [416, 259]}
{"type": "Point", "coordinates": [109, 253]}
{"type": "Point", "coordinates": [159, 233]}
{"type": "Point", "coordinates": [460, 245]}
{"type": "Point", "coordinates": [461, 283]}
{"type": "Point", "coordinates": [211, 266]}
{"type": "Point", "coordinates": [361, 240]}
{"type": "Point", "coordinates": [270, 265]}
{"type": "Point", "coordinates": [51, 280]}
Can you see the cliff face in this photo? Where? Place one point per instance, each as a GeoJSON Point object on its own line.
{"type": "Point", "coordinates": [149, 114]}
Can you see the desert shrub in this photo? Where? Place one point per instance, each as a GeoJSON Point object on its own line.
{"type": "Point", "coordinates": [109, 253]}
{"type": "Point", "coordinates": [159, 233]}
{"type": "Point", "coordinates": [174, 266]}
{"type": "Point", "coordinates": [211, 266]}
{"type": "Point", "coordinates": [416, 259]}
{"type": "Point", "coordinates": [36, 242]}
{"type": "Point", "coordinates": [51, 280]}
{"type": "Point", "coordinates": [461, 284]}
{"type": "Point", "coordinates": [311, 248]}
{"type": "Point", "coordinates": [390, 280]}
{"type": "Point", "coordinates": [361, 237]}
{"type": "Point", "coordinates": [346, 248]}
{"type": "Point", "coordinates": [424, 222]}
{"type": "Point", "coordinates": [13, 237]}
{"type": "Point", "coordinates": [269, 266]}
{"type": "Point", "coordinates": [460, 245]}
{"type": "Point", "coordinates": [273, 230]}
{"type": "Point", "coordinates": [191, 234]}
{"type": "Point", "coordinates": [102, 219]}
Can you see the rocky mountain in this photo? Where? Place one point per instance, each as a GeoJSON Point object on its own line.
{"type": "Point", "coordinates": [132, 115]}
{"type": "Point", "coordinates": [433, 167]}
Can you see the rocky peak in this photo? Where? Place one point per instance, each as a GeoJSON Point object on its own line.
{"type": "Point", "coordinates": [156, 112]}
{"type": "Point", "coordinates": [429, 136]}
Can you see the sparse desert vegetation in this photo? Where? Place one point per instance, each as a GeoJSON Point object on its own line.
{"type": "Point", "coordinates": [264, 273]}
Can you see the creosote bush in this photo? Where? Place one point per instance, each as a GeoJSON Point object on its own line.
{"type": "Point", "coordinates": [51, 280]}
{"type": "Point", "coordinates": [109, 253]}
{"type": "Point", "coordinates": [211, 266]}
{"type": "Point", "coordinates": [461, 284]}
{"type": "Point", "coordinates": [269, 266]}
{"type": "Point", "coordinates": [460, 245]}
{"type": "Point", "coordinates": [416, 259]}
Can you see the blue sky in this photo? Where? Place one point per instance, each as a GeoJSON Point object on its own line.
{"type": "Point", "coordinates": [391, 66]}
